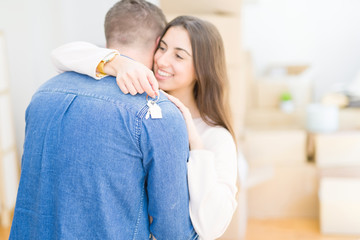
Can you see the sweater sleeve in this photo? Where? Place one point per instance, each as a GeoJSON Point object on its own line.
{"type": "Point", "coordinates": [212, 176]}
{"type": "Point", "coordinates": [81, 57]}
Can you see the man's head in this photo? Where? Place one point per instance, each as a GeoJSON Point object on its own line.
{"type": "Point", "coordinates": [134, 26]}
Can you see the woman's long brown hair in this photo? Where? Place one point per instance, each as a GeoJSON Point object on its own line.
{"type": "Point", "coordinates": [211, 86]}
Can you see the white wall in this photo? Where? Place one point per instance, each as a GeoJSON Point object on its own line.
{"type": "Point", "coordinates": [29, 34]}
{"type": "Point", "coordinates": [32, 29]}
{"type": "Point", "coordinates": [324, 33]}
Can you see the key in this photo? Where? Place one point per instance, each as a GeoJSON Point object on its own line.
{"type": "Point", "coordinates": [154, 110]}
{"type": "Point", "coordinates": [147, 114]}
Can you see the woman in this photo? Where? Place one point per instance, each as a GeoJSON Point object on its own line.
{"type": "Point", "coordinates": [189, 64]}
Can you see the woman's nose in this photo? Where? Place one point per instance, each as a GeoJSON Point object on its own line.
{"type": "Point", "coordinates": [162, 60]}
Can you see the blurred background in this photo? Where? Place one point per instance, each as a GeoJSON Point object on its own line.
{"type": "Point", "coordinates": [294, 69]}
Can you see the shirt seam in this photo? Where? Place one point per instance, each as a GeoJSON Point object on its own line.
{"type": "Point", "coordinates": [139, 214]}
{"type": "Point", "coordinates": [138, 122]}
{"type": "Point", "coordinates": [84, 94]}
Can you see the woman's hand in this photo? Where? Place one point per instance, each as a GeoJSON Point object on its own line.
{"type": "Point", "coordinates": [194, 138]}
{"type": "Point", "coordinates": [132, 77]}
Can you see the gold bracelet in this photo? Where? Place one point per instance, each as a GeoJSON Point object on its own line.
{"type": "Point", "coordinates": [105, 60]}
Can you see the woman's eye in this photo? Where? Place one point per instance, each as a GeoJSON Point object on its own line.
{"type": "Point", "coordinates": [161, 48]}
{"type": "Point", "coordinates": [178, 56]}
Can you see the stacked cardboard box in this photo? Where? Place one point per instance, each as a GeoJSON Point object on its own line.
{"type": "Point", "coordinates": [338, 159]}
{"type": "Point", "coordinates": [339, 205]}
{"type": "Point", "coordinates": [274, 119]}
{"type": "Point", "coordinates": [339, 149]}
{"type": "Point", "coordinates": [277, 138]}
{"type": "Point", "coordinates": [292, 191]}
{"type": "Point", "coordinates": [266, 92]}
{"type": "Point", "coordinates": [200, 7]}
{"type": "Point", "coordinates": [292, 78]}
{"type": "Point", "coordinates": [348, 119]}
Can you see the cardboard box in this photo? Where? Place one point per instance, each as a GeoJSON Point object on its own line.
{"type": "Point", "coordinates": [275, 147]}
{"type": "Point", "coordinates": [340, 172]}
{"type": "Point", "coordinates": [268, 93]}
{"type": "Point", "coordinates": [284, 78]}
{"type": "Point", "coordinates": [349, 119]}
{"type": "Point", "coordinates": [269, 90]}
{"type": "Point", "coordinates": [201, 6]}
{"type": "Point", "coordinates": [291, 193]}
{"type": "Point", "coordinates": [248, 179]}
{"type": "Point", "coordinates": [339, 206]}
{"type": "Point", "coordinates": [237, 97]}
{"type": "Point", "coordinates": [274, 119]}
{"type": "Point", "coordinates": [338, 149]}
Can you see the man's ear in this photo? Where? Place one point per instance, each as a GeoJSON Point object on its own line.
{"type": "Point", "coordinates": [157, 41]}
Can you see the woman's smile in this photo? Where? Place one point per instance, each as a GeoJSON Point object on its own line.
{"type": "Point", "coordinates": [162, 75]}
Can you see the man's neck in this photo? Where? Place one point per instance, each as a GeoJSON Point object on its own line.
{"type": "Point", "coordinates": [127, 51]}
{"type": "Point", "coordinates": [138, 54]}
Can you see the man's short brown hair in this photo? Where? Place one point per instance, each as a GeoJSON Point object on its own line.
{"type": "Point", "coordinates": [133, 23]}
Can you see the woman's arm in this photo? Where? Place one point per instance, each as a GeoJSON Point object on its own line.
{"type": "Point", "coordinates": [82, 57]}
{"type": "Point", "coordinates": [212, 176]}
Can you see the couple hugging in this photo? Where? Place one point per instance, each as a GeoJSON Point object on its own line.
{"type": "Point", "coordinates": [100, 163]}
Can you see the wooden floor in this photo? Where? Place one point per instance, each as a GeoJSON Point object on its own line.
{"type": "Point", "coordinates": [290, 229]}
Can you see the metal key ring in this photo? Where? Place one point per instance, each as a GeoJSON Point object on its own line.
{"type": "Point", "coordinates": [156, 100]}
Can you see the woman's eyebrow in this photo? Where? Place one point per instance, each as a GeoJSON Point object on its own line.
{"type": "Point", "coordinates": [162, 41]}
{"type": "Point", "coordinates": [178, 48]}
{"type": "Point", "coordinates": [181, 49]}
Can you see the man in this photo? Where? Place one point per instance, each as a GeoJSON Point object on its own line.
{"type": "Point", "coordinates": [97, 163]}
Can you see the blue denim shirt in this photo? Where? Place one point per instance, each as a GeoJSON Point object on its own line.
{"type": "Point", "coordinates": [94, 167]}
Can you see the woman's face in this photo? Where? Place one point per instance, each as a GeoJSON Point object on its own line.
{"type": "Point", "coordinates": [173, 62]}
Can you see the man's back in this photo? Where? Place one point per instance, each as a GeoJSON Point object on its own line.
{"type": "Point", "coordinates": [94, 167]}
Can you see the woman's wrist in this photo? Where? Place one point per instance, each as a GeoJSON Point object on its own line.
{"type": "Point", "coordinates": [111, 67]}
{"type": "Point", "coordinates": [101, 72]}
{"type": "Point", "coordinates": [118, 64]}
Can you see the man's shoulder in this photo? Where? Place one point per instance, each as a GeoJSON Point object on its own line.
{"type": "Point", "coordinates": [107, 89]}
{"type": "Point", "coordinates": [68, 81]}
{"type": "Point", "coordinates": [83, 85]}
{"type": "Point", "coordinates": [170, 128]}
